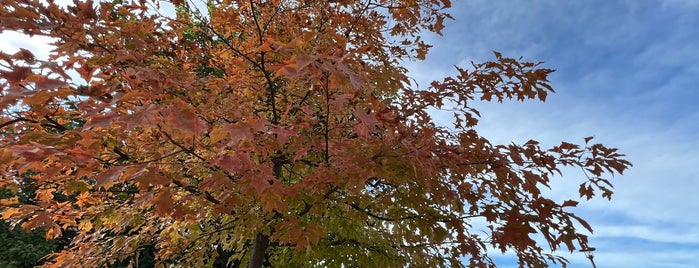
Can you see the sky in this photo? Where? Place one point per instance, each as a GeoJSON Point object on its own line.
{"type": "Point", "coordinates": [627, 73]}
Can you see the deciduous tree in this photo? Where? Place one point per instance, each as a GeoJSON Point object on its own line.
{"type": "Point", "coordinates": [274, 132]}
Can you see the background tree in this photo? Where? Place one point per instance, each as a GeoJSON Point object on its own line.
{"type": "Point", "coordinates": [277, 133]}
{"type": "Point", "coordinates": [21, 248]}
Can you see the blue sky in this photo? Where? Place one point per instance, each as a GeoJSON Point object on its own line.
{"type": "Point", "coordinates": [627, 73]}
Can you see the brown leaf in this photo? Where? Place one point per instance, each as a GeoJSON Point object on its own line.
{"type": "Point", "coordinates": [570, 203]}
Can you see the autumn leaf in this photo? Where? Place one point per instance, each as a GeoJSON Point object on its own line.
{"type": "Point", "coordinates": [109, 177]}
{"type": "Point", "coordinates": [217, 134]}
{"type": "Point", "coordinates": [9, 201]}
{"type": "Point", "coordinates": [162, 202]}
{"type": "Point", "coordinates": [80, 156]}
{"type": "Point", "coordinates": [9, 212]}
{"type": "Point", "coordinates": [570, 203]}
{"type": "Point", "coordinates": [76, 187]}
{"type": "Point", "coordinates": [145, 116]}
{"type": "Point", "coordinates": [42, 97]}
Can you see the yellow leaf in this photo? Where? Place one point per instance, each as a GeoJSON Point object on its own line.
{"type": "Point", "coordinates": [296, 43]}
{"type": "Point", "coordinates": [76, 186]}
{"type": "Point", "coordinates": [217, 134]}
{"type": "Point", "coordinates": [44, 195]}
{"type": "Point", "coordinates": [85, 226]}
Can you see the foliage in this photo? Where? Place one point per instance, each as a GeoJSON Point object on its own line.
{"type": "Point", "coordinates": [23, 248]}
{"type": "Point", "coordinates": [275, 132]}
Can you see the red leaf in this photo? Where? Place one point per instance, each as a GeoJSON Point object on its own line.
{"type": "Point", "coordinates": [162, 202]}
{"type": "Point", "coordinates": [144, 117]}
{"type": "Point", "coordinates": [24, 54]}
{"type": "Point", "coordinates": [367, 119]}
{"type": "Point", "coordinates": [586, 191]}
{"type": "Point", "coordinates": [40, 219]}
{"type": "Point", "coordinates": [46, 83]}
{"type": "Point", "coordinates": [153, 176]}
{"type": "Point", "coordinates": [303, 60]}
{"type": "Point", "coordinates": [109, 177]}
{"type": "Point", "coordinates": [183, 117]}
{"type": "Point", "coordinates": [259, 183]}
{"type": "Point", "coordinates": [17, 75]}
{"type": "Point", "coordinates": [568, 146]}
{"type": "Point", "coordinates": [100, 121]}
{"type": "Point", "coordinates": [79, 156]}
{"type": "Point", "coordinates": [244, 130]}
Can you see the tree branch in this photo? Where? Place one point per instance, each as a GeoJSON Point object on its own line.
{"type": "Point", "coordinates": [191, 152]}
{"type": "Point", "coordinates": [196, 191]}
{"type": "Point", "coordinates": [19, 119]}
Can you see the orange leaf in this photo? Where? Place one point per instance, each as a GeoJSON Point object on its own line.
{"type": "Point", "coordinates": [43, 97]}
{"type": "Point", "coordinates": [9, 201]}
{"type": "Point", "coordinates": [10, 212]}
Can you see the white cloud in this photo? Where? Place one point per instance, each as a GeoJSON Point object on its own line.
{"type": "Point", "coordinates": [11, 41]}
{"type": "Point", "coordinates": [690, 4]}
{"type": "Point", "coordinates": [653, 234]}
{"type": "Point", "coordinates": [676, 258]}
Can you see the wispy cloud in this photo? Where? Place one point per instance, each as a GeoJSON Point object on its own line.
{"type": "Point", "coordinates": [11, 42]}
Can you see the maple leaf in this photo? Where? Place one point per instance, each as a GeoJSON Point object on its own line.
{"type": "Point", "coordinates": [182, 117]}
{"type": "Point", "coordinates": [109, 177]}
{"type": "Point", "coordinates": [145, 116]}
{"type": "Point", "coordinates": [44, 96]}
{"type": "Point", "coordinates": [9, 201]}
{"type": "Point", "coordinates": [163, 202]}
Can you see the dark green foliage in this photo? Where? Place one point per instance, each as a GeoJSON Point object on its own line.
{"type": "Point", "coordinates": [20, 248]}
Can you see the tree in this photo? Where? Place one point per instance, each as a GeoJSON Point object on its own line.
{"type": "Point", "coordinates": [21, 248]}
{"type": "Point", "coordinates": [275, 133]}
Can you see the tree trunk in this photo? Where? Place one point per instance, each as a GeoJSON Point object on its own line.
{"type": "Point", "coordinates": [258, 251]}
{"type": "Point", "coordinates": [259, 247]}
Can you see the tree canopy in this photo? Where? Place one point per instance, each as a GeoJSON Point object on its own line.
{"type": "Point", "coordinates": [282, 133]}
